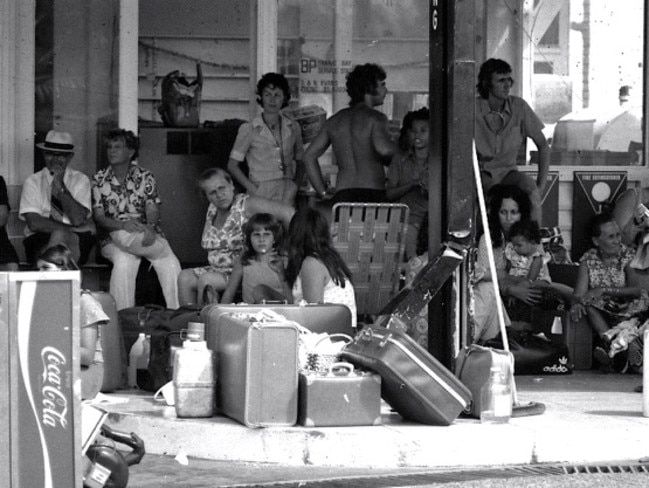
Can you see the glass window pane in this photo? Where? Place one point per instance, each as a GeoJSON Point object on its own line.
{"type": "Point", "coordinates": [321, 40]}
{"type": "Point", "coordinates": [581, 69]}
{"type": "Point", "coordinates": [76, 78]}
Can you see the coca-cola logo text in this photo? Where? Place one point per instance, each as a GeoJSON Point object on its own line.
{"type": "Point", "coordinates": [55, 404]}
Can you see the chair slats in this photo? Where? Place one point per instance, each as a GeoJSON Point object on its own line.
{"type": "Point", "coordinates": [370, 237]}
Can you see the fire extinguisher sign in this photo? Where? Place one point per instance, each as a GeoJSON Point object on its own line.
{"type": "Point", "coordinates": [593, 191]}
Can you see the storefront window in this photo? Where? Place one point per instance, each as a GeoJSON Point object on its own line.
{"type": "Point", "coordinates": [76, 52]}
{"type": "Point", "coordinates": [580, 65]}
{"type": "Point", "coordinates": [321, 40]}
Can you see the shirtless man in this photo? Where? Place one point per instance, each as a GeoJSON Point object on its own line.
{"type": "Point", "coordinates": [360, 140]}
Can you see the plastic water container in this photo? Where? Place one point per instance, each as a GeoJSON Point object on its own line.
{"type": "Point", "coordinates": [138, 360]}
{"type": "Point", "coordinates": [496, 398]}
{"type": "Point", "coordinates": [194, 380]}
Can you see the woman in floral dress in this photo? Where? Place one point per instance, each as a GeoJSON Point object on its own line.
{"type": "Point", "coordinates": [223, 235]}
{"type": "Point", "coordinates": [607, 290]}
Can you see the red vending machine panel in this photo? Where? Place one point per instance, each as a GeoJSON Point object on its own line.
{"type": "Point", "coordinates": [39, 368]}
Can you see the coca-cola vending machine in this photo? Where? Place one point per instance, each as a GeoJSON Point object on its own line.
{"type": "Point", "coordinates": [39, 370]}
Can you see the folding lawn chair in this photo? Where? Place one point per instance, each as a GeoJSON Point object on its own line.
{"type": "Point", "coordinates": [370, 237]}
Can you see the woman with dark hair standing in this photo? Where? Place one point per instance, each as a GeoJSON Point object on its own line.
{"type": "Point", "coordinates": [507, 204]}
{"type": "Point", "coordinates": [315, 271]}
{"type": "Point", "coordinates": [271, 144]}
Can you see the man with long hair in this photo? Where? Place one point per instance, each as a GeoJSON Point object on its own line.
{"type": "Point", "coordinates": [503, 123]}
{"type": "Point", "coordinates": [360, 140]}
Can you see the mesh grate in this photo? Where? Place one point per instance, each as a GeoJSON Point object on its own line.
{"type": "Point", "coordinates": [385, 481]}
{"type": "Point", "coordinates": [607, 469]}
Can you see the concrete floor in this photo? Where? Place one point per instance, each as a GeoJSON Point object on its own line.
{"type": "Point", "coordinates": [590, 418]}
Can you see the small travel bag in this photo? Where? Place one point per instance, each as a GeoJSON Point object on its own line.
{"type": "Point", "coordinates": [257, 370]}
{"type": "Point", "coordinates": [413, 382]}
{"type": "Point", "coordinates": [473, 367]}
{"type": "Point", "coordinates": [339, 397]}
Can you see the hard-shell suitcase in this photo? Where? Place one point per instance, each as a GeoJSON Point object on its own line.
{"type": "Point", "coordinates": [328, 317]}
{"type": "Point", "coordinates": [112, 345]}
{"type": "Point", "coordinates": [473, 366]}
{"type": "Point", "coordinates": [257, 371]}
{"type": "Point", "coordinates": [340, 397]}
{"type": "Point", "coordinates": [413, 382]}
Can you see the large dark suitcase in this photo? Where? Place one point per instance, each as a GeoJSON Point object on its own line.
{"type": "Point", "coordinates": [257, 371]}
{"type": "Point", "coordinates": [413, 382]}
{"type": "Point", "coordinates": [328, 317]}
{"type": "Point", "coordinates": [340, 397]}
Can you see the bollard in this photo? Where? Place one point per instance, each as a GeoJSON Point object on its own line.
{"type": "Point", "coordinates": [645, 375]}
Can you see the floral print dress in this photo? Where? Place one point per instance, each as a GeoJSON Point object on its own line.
{"type": "Point", "coordinates": [225, 244]}
{"type": "Point", "coordinates": [126, 200]}
{"type": "Point", "coordinates": [602, 275]}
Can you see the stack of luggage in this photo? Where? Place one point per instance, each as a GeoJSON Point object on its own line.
{"type": "Point", "coordinates": [271, 368]}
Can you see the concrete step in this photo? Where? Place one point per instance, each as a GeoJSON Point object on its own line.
{"type": "Point", "coordinates": [589, 417]}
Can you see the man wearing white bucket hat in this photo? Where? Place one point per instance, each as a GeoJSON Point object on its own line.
{"type": "Point", "coordinates": [55, 202]}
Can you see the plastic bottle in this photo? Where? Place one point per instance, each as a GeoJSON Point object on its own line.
{"type": "Point", "coordinates": [496, 398]}
{"type": "Point", "coordinates": [194, 380]}
{"type": "Point", "coordinates": [137, 351]}
{"type": "Point", "coordinates": [142, 373]}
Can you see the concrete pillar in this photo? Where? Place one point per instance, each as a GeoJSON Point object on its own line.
{"type": "Point", "coordinates": [128, 67]}
{"type": "Point", "coordinates": [343, 26]}
{"type": "Point", "coordinates": [263, 43]}
{"type": "Point", "coordinates": [16, 89]}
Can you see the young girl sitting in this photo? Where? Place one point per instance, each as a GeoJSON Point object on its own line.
{"type": "Point", "coordinates": [316, 272]}
{"type": "Point", "coordinates": [260, 270]}
{"type": "Point", "coordinates": [527, 260]}
{"type": "Point", "coordinates": [59, 258]}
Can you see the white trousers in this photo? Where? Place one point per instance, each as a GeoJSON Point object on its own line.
{"type": "Point", "coordinates": [125, 252]}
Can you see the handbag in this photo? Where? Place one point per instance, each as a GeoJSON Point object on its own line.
{"type": "Point", "coordinates": [181, 99]}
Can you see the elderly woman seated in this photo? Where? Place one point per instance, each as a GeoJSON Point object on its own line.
{"type": "Point", "coordinates": [608, 290]}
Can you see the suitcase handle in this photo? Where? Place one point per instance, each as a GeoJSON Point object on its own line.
{"type": "Point", "coordinates": [367, 334]}
{"type": "Point", "coordinates": [331, 336]}
{"type": "Point", "coordinates": [336, 369]}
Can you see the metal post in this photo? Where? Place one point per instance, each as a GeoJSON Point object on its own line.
{"type": "Point", "coordinates": [452, 193]}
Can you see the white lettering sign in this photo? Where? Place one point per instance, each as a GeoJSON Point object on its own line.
{"type": "Point", "coordinates": [54, 402]}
